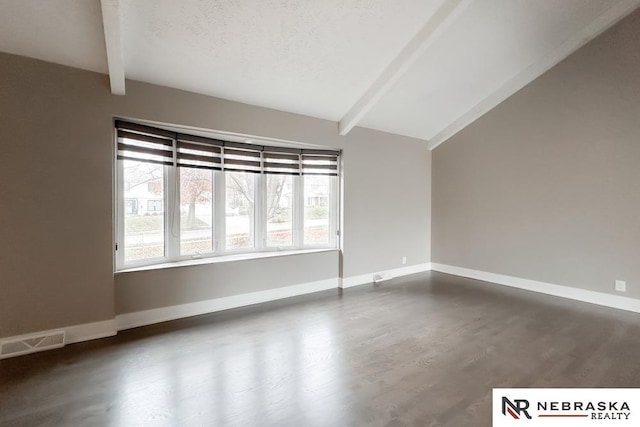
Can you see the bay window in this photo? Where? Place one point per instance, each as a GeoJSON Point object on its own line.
{"type": "Point", "coordinates": [181, 196]}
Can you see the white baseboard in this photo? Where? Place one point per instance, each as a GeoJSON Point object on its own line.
{"type": "Point", "coordinates": [599, 298]}
{"type": "Point", "coordinates": [364, 279]}
{"type": "Point", "coordinates": [157, 315]}
{"type": "Point", "coordinates": [91, 331]}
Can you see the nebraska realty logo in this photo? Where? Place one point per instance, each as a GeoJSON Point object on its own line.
{"type": "Point", "coordinates": [565, 407]}
{"type": "Point", "coordinates": [517, 410]}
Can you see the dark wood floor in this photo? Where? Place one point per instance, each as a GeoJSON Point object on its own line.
{"type": "Point", "coordinates": [424, 350]}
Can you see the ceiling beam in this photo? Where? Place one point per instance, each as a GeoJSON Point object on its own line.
{"type": "Point", "coordinates": [113, 41]}
{"type": "Point", "coordinates": [536, 69]}
{"type": "Point", "coordinates": [440, 20]}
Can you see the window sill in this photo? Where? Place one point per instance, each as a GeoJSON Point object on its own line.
{"type": "Point", "coordinates": [223, 258]}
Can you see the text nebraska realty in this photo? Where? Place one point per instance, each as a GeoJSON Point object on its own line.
{"type": "Point", "coordinates": [598, 410]}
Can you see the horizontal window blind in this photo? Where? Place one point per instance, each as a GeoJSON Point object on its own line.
{"type": "Point", "coordinates": [154, 145]}
{"type": "Point", "coordinates": [199, 152]}
{"type": "Point", "coordinates": [318, 162]}
{"type": "Point", "coordinates": [143, 143]}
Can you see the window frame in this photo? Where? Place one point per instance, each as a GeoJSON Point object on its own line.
{"type": "Point", "coordinates": [172, 229]}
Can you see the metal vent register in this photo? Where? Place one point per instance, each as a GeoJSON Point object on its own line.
{"type": "Point", "coordinates": [31, 344]}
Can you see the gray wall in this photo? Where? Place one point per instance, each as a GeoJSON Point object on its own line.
{"type": "Point", "coordinates": [144, 290]}
{"type": "Point", "coordinates": [56, 228]}
{"type": "Point", "coordinates": [547, 185]}
{"type": "Point", "coordinates": [55, 197]}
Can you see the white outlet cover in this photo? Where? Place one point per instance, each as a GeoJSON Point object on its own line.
{"type": "Point", "coordinates": [621, 286]}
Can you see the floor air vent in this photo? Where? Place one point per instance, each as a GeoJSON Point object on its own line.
{"type": "Point", "coordinates": [31, 344]}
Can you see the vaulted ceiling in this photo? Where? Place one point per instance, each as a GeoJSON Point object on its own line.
{"type": "Point", "coordinates": [421, 68]}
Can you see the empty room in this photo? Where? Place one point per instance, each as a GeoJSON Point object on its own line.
{"type": "Point", "coordinates": [320, 213]}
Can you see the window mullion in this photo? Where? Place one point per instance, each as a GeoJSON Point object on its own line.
{"type": "Point", "coordinates": [260, 208]}
{"type": "Point", "coordinates": [172, 210]}
{"type": "Point", "coordinates": [298, 211]}
{"type": "Point", "coordinates": [260, 214]}
{"type": "Point", "coordinates": [214, 213]}
{"type": "Point", "coordinates": [219, 231]}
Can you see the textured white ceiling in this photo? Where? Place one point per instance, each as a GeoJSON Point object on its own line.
{"type": "Point", "coordinates": [67, 32]}
{"type": "Point", "coordinates": [314, 57]}
{"type": "Point", "coordinates": [318, 57]}
{"type": "Point", "coordinates": [491, 42]}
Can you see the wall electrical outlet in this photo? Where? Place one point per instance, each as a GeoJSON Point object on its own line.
{"type": "Point", "coordinates": [404, 260]}
{"type": "Point", "coordinates": [621, 286]}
